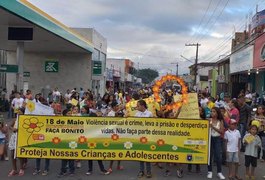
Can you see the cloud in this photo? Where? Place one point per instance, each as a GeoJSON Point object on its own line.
{"type": "Point", "coordinates": [155, 32]}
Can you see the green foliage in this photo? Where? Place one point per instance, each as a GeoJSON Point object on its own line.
{"type": "Point", "coordinates": [147, 75]}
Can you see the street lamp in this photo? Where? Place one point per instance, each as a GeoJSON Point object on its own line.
{"type": "Point", "coordinates": [186, 59]}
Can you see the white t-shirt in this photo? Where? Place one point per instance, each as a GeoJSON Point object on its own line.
{"type": "Point", "coordinates": [17, 102]}
{"type": "Point", "coordinates": [111, 113]}
{"type": "Point", "coordinates": [204, 102]}
{"type": "Point", "coordinates": [248, 96]}
{"type": "Point", "coordinates": [146, 113]}
{"type": "Point", "coordinates": [232, 137]}
{"type": "Point", "coordinates": [67, 96]}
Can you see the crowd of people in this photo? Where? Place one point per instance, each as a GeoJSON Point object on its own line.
{"type": "Point", "coordinates": [234, 128]}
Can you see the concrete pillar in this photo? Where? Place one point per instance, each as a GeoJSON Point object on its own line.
{"type": "Point", "coordinates": [20, 63]}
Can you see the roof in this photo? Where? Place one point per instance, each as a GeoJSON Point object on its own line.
{"type": "Point", "coordinates": [227, 58]}
{"type": "Point", "coordinates": [32, 14]}
{"type": "Point", "coordinates": [205, 64]}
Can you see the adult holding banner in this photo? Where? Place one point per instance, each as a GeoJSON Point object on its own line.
{"type": "Point", "coordinates": [217, 128]}
{"type": "Point", "coordinates": [35, 107]}
{"type": "Point", "coordinates": [143, 112]}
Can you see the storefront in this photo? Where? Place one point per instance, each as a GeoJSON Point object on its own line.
{"type": "Point", "coordinates": [241, 70]}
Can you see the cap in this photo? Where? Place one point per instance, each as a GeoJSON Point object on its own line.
{"type": "Point", "coordinates": [232, 121]}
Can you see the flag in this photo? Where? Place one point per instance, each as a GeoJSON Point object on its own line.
{"type": "Point", "coordinates": [38, 109]}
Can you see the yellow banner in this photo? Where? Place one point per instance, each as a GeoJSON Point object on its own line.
{"type": "Point", "coordinates": [105, 138]}
{"type": "Point", "coordinates": [189, 110]}
{"type": "Point", "coordinates": [151, 105]}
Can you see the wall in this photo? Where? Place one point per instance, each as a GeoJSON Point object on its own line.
{"type": "Point", "coordinates": [202, 71]}
{"type": "Point", "coordinates": [100, 46]}
{"type": "Point", "coordinates": [74, 71]}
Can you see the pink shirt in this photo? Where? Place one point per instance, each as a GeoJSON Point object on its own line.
{"type": "Point", "coordinates": [234, 114]}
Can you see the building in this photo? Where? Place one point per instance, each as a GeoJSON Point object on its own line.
{"type": "Point", "coordinates": [259, 65]}
{"type": "Point", "coordinates": [223, 77]}
{"type": "Point", "coordinates": [202, 75]}
{"type": "Point", "coordinates": [53, 55]}
{"type": "Point", "coordinates": [122, 74]}
{"type": "Point", "coordinates": [99, 73]}
{"type": "Point", "coordinates": [247, 62]}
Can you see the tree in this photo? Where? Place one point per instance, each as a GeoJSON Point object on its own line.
{"type": "Point", "coordinates": [147, 75]}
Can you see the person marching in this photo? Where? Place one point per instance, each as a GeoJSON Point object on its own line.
{"type": "Point", "coordinates": [252, 142]}
{"type": "Point", "coordinates": [143, 112]}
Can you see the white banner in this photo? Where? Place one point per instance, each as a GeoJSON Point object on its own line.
{"type": "Point", "coordinates": [38, 109]}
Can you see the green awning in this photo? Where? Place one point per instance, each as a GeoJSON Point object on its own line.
{"type": "Point", "coordinates": [30, 13]}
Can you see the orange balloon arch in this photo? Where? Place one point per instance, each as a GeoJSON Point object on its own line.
{"type": "Point", "coordinates": [184, 91]}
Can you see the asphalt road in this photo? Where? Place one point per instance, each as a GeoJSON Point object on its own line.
{"type": "Point", "coordinates": [129, 173]}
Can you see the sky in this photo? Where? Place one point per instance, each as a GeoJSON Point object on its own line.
{"type": "Point", "coordinates": [154, 33]}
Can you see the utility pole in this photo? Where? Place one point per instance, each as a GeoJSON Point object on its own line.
{"type": "Point", "coordinates": [196, 60]}
{"type": "Point", "coordinates": [177, 70]}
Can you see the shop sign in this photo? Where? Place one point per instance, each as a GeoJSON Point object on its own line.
{"type": "Point", "coordinates": [221, 78]}
{"type": "Point", "coordinates": [242, 60]}
{"type": "Point", "coordinates": [51, 66]}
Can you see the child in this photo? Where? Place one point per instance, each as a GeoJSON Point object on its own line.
{"type": "Point", "coordinates": [252, 143]}
{"type": "Point", "coordinates": [232, 143]}
{"type": "Point", "coordinates": [258, 120]}
{"type": "Point", "coordinates": [71, 163]}
{"type": "Point", "coordinates": [12, 147]}
{"type": "Point", "coordinates": [3, 131]}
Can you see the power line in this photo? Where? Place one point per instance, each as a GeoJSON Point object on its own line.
{"type": "Point", "coordinates": [212, 15]}
{"type": "Point", "coordinates": [227, 40]}
{"type": "Point", "coordinates": [233, 52]}
{"type": "Point", "coordinates": [198, 32]}
{"type": "Point", "coordinates": [220, 14]}
{"type": "Point", "coordinates": [224, 42]}
{"type": "Point", "coordinates": [204, 15]}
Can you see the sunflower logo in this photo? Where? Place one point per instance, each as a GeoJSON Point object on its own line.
{"type": "Point", "coordinates": [153, 147]}
{"type": "Point", "coordinates": [30, 106]}
{"type": "Point", "coordinates": [32, 125]}
{"type": "Point", "coordinates": [82, 140]}
{"type": "Point", "coordinates": [106, 144]}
